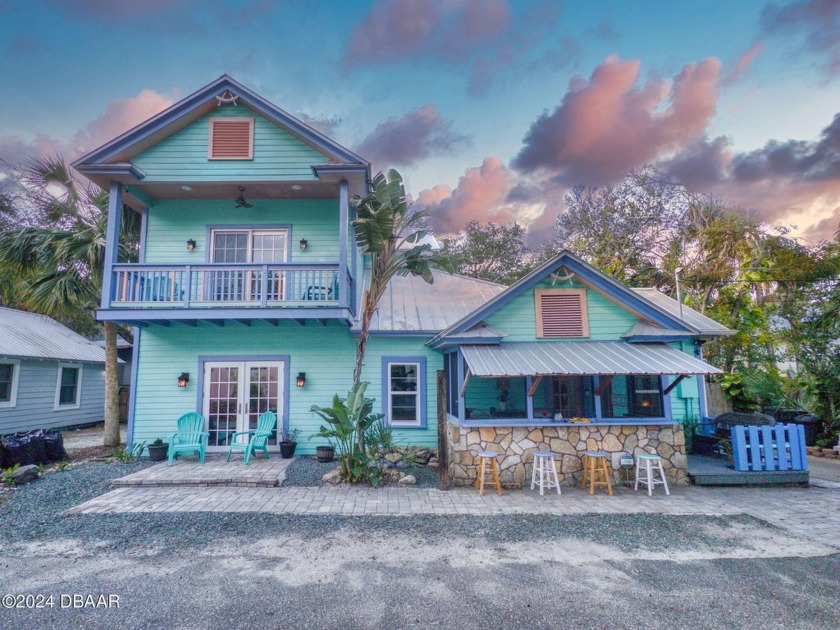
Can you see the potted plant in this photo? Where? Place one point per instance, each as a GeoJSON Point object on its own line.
{"type": "Point", "coordinates": [325, 454]}
{"type": "Point", "coordinates": [158, 450]}
{"type": "Point", "coordinates": [289, 443]}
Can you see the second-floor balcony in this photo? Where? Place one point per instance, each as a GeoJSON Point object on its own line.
{"type": "Point", "coordinates": [191, 290]}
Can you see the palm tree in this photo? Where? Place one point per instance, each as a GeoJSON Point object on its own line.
{"type": "Point", "coordinates": [62, 265]}
{"type": "Point", "coordinates": [390, 232]}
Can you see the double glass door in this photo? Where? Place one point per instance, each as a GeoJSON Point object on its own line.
{"type": "Point", "coordinates": [236, 393]}
{"type": "Point", "coordinates": [247, 246]}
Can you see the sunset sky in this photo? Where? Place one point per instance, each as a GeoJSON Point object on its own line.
{"type": "Point", "coordinates": [491, 109]}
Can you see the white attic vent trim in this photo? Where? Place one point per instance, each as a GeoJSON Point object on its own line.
{"type": "Point", "coordinates": [561, 313]}
{"type": "Point", "coordinates": [231, 139]}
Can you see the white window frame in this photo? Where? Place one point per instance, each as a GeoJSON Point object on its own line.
{"type": "Point", "coordinates": [77, 404]}
{"type": "Point", "coordinates": [12, 402]}
{"type": "Point", "coordinates": [251, 232]}
{"type": "Point", "coordinates": [418, 421]}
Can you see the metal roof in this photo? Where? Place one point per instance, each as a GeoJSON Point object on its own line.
{"type": "Point", "coordinates": [479, 331]}
{"type": "Point", "coordinates": [643, 329]}
{"type": "Point", "coordinates": [411, 305]}
{"type": "Point", "coordinates": [581, 357]}
{"type": "Point", "coordinates": [28, 335]}
{"type": "Point", "coordinates": [704, 325]}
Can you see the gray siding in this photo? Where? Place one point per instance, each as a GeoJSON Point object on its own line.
{"type": "Point", "coordinates": [36, 398]}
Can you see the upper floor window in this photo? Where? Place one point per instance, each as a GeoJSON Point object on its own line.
{"type": "Point", "coordinates": [231, 139]}
{"type": "Point", "coordinates": [404, 384]}
{"type": "Point", "coordinates": [68, 388]}
{"type": "Point", "coordinates": [9, 370]}
{"type": "Point", "coordinates": [561, 313]}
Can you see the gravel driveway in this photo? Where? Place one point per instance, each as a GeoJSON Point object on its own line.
{"type": "Point", "coordinates": [205, 570]}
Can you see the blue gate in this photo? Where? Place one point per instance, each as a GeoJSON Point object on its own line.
{"type": "Point", "coordinates": [780, 447]}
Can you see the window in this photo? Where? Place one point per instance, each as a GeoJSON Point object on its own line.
{"type": "Point", "coordinates": [561, 313]}
{"type": "Point", "coordinates": [404, 391]}
{"type": "Point", "coordinates": [231, 139]}
{"type": "Point", "coordinates": [633, 397]}
{"type": "Point", "coordinates": [8, 382]}
{"type": "Point", "coordinates": [571, 396]}
{"type": "Point", "coordinates": [69, 386]}
{"type": "Point", "coordinates": [256, 245]}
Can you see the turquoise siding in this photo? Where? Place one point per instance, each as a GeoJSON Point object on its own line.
{"type": "Point", "coordinates": [607, 320]}
{"type": "Point", "coordinates": [325, 353]}
{"type": "Point", "coordinates": [183, 155]}
{"type": "Point", "coordinates": [36, 398]}
{"type": "Point", "coordinates": [171, 223]}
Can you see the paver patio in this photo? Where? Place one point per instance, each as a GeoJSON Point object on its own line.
{"type": "Point", "coordinates": [215, 471]}
{"type": "Point", "coordinates": [810, 512]}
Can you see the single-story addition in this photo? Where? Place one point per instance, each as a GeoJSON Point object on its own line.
{"type": "Point", "coordinates": [50, 377]}
{"type": "Point", "coordinates": [247, 290]}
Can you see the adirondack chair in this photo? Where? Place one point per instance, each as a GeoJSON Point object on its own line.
{"type": "Point", "coordinates": [257, 440]}
{"type": "Point", "coordinates": [191, 437]}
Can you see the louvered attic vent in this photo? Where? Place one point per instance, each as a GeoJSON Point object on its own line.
{"type": "Point", "coordinates": [561, 313]}
{"type": "Point", "coordinates": [231, 139]}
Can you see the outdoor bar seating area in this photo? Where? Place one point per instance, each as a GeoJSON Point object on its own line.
{"type": "Point", "coordinates": [613, 399]}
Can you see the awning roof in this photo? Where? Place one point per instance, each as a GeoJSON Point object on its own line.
{"type": "Point", "coordinates": [581, 357]}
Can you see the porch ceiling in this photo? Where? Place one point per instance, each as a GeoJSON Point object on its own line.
{"type": "Point", "coordinates": [229, 190]}
{"type": "Point", "coordinates": [581, 357]}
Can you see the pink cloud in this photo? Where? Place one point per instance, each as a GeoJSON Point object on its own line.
{"type": "Point", "coordinates": [481, 194]}
{"type": "Point", "coordinates": [744, 62]}
{"type": "Point", "coordinates": [393, 30]}
{"type": "Point", "coordinates": [411, 138]}
{"type": "Point", "coordinates": [608, 125]}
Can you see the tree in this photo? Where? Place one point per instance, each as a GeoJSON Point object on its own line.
{"type": "Point", "coordinates": [489, 252]}
{"type": "Point", "coordinates": [61, 265]}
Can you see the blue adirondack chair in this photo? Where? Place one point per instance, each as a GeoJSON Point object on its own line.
{"type": "Point", "coordinates": [257, 440]}
{"type": "Point", "coordinates": [190, 438]}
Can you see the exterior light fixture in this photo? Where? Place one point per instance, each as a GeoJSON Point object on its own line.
{"type": "Point", "coordinates": [303, 244]}
{"type": "Point", "coordinates": [183, 379]}
{"type": "Point", "coordinates": [190, 245]}
{"type": "Point", "coordinates": [301, 379]}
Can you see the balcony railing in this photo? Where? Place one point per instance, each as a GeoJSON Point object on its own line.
{"type": "Point", "coordinates": [227, 285]}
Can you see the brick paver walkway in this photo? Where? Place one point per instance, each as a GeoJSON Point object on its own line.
{"type": "Point", "coordinates": [215, 471]}
{"type": "Point", "coordinates": [810, 512]}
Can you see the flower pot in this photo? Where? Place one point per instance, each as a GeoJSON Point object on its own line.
{"type": "Point", "coordinates": [157, 453]}
{"type": "Point", "coordinates": [287, 449]}
{"type": "Point", "coordinates": [325, 454]}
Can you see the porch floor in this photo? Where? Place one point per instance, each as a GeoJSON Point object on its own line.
{"type": "Point", "coordinates": [715, 471]}
{"type": "Point", "coordinates": [215, 471]}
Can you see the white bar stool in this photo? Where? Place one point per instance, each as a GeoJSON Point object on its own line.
{"type": "Point", "coordinates": [544, 472]}
{"type": "Point", "coordinates": [649, 464]}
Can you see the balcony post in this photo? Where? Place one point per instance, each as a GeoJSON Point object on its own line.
{"type": "Point", "coordinates": [344, 224]}
{"type": "Point", "coordinates": [112, 242]}
{"type": "Point", "coordinates": [188, 286]}
{"type": "Point", "coordinates": [264, 287]}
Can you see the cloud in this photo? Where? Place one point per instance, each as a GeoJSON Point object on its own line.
{"type": "Point", "coordinates": [119, 116]}
{"type": "Point", "coordinates": [21, 46]}
{"type": "Point", "coordinates": [407, 140]}
{"type": "Point", "coordinates": [609, 125]}
{"type": "Point", "coordinates": [110, 11]}
{"type": "Point", "coordinates": [326, 125]}
{"type": "Point", "coordinates": [744, 62]}
{"type": "Point", "coordinates": [479, 37]}
{"type": "Point", "coordinates": [481, 194]}
{"type": "Point", "coordinates": [817, 22]}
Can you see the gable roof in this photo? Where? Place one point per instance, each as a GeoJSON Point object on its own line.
{"type": "Point", "coordinates": [31, 336]}
{"type": "Point", "coordinates": [589, 275]}
{"type": "Point", "coordinates": [197, 104]}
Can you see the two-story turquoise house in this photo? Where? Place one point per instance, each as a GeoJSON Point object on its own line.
{"type": "Point", "coordinates": [247, 291]}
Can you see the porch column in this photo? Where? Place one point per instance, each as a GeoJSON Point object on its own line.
{"type": "Point", "coordinates": [112, 241]}
{"type": "Point", "coordinates": [343, 225]}
{"type": "Point", "coordinates": [462, 407]}
{"type": "Point", "coordinates": [701, 385]}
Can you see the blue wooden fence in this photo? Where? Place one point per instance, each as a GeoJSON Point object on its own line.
{"type": "Point", "coordinates": [781, 447]}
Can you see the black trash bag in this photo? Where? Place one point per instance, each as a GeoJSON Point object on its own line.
{"type": "Point", "coordinates": [18, 451]}
{"type": "Point", "coordinates": [2, 455]}
{"type": "Point", "coordinates": [54, 442]}
{"type": "Point", "coordinates": [39, 447]}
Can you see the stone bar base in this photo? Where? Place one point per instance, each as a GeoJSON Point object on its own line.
{"type": "Point", "coordinates": [516, 446]}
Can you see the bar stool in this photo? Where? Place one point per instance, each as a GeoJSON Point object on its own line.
{"type": "Point", "coordinates": [544, 472]}
{"type": "Point", "coordinates": [595, 467]}
{"type": "Point", "coordinates": [488, 466]}
{"type": "Point", "coordinates": [649, 464]}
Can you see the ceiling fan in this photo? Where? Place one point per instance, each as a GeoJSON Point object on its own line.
{"type": "Point", "coordinates": [241, 201]}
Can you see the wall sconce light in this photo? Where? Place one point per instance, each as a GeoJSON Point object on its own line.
{"type": "Point", "coordinates": [190, 245]}
{"type": "Point", "coordinates": [301, 379]}
{"type": "Point", "coordinates": [303, 244]}
{"type": "Point", "coordinates": [183, 379]}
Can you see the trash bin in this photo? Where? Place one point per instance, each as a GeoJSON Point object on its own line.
{"type": "Point", "coordinates": [813, 427]}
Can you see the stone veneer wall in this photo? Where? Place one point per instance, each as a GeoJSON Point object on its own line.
{"type": "Point", "coordinates": [516, 445]}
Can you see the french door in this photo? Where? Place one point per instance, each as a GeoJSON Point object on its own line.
{"type": "Point", "coordinates": [236, 393]}
{"type": "Point", "coordinates": [247, 246]}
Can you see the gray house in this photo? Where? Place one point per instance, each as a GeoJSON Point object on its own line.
{"type": "Point", "coordinates": [50, 377]}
